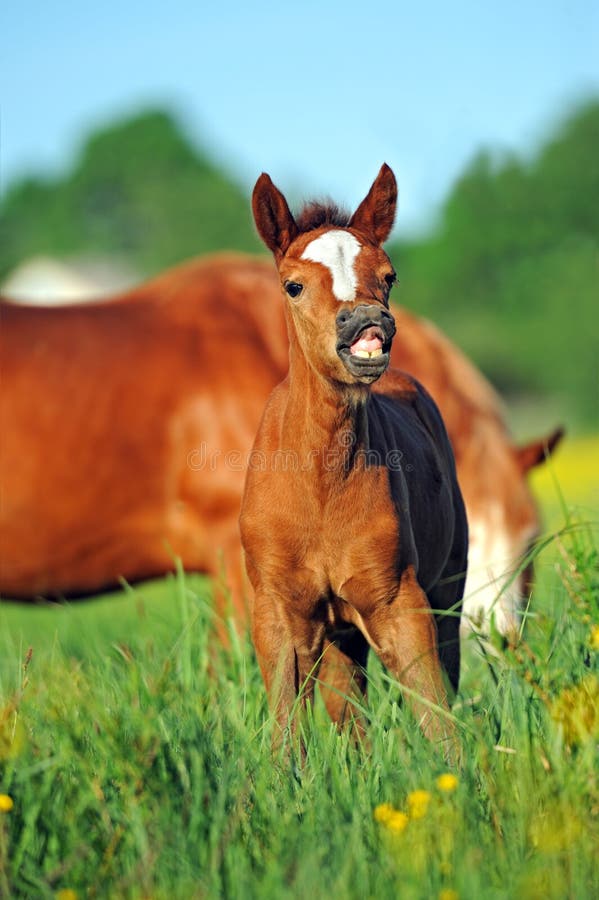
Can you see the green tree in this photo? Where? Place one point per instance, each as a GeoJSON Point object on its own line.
{"type": "Point", "coordinates": [139, 190]}
{"type": "Point", "coordinates": [511, 272]}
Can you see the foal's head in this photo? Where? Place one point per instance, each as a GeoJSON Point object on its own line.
{"type": "Point", "coordinates": [336, 278]}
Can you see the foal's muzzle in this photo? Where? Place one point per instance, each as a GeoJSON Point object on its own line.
{"type": "Point", "coordinates": [364, 336]}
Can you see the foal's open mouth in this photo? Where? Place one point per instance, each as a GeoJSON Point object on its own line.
{"type": "Point", "coordinates": [369, 343]}
{"type": "Point", "coordinates": [367, 356]}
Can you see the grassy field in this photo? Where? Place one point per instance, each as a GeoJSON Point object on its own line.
{"type": "Point", "coordinates": [135, 755]}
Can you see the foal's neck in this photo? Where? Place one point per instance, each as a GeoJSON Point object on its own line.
{"type": "Point", "coordinates": [325, 419]}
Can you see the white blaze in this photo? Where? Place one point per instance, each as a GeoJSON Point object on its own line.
{"type": "Point", "coordinates": [337, 250]}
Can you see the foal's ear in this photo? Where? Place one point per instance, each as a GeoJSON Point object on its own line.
{"type": "Point", "coordinates": [376, 213]}
{"type": "Point", "coordinates": [276, 226]}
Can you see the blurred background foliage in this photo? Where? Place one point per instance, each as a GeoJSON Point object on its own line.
{"type": "Point", "coordinates": [510, 271]}
{"type": "Point", "coordinates": [140, 190]}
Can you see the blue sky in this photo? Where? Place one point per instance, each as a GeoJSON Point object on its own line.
{"type": "Point", "coordinates": [317, 93]}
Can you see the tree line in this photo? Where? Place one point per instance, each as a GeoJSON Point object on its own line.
{"type": "Point", "coordinates": [510, 271]}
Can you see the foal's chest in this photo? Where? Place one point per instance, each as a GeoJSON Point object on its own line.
{"type": "Point", "coordinates": [347, 536]}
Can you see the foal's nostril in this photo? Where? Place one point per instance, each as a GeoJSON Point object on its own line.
{"type": "Point", "coordinates": [343, 317]}
{"type": "Point", "coordinates": [389, 320]}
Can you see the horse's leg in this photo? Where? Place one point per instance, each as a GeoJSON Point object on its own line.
{"type": "Point", "coordinates": [403, 633]}
{"type": "Point", "coordinates": [447, 596]}
{"type": "Point", "coordinates": [288, 651]}
{"type": "Point", "coordinates": [343, 677]}
{"type": "Point", "coordinates": [448, 633]}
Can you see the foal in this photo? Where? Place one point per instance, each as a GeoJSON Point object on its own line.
{"type": "Point", "coordinates": [352, 520]}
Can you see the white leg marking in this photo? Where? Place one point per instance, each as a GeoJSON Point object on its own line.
{"type": "Point", "coordinates": [337, 250]}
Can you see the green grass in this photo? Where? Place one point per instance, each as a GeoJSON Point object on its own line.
{"type": "Point", "coordinates": [137, 755]}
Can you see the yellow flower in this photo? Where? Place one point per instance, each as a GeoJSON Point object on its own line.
{"type": "Point", "coordinates": [66, 894]}
{"type": "Point", "coordinates": [576, 710]}
{"type": "Point", "coordinates": [447, 782]}
{"type": "Point", "coordinates": [12, 733]}
{"type": "Point", "coordinates": [397, 822]}
{"type": "Point", "coordinates": [550, 833]}
{"type": "Point", "coordinates": [594, 639]}
{"type": "Point", "coordinates": [383, 812]}
{"type": "Point", "coordinates": [418, 804]}
{"type": "Point", "coordinates": [6, 803]}
{"type": "Point", "coordinates": [448, 894]}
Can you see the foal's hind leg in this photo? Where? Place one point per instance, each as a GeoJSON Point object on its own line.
{"type": "Point", "coordinates": [446, 596]}
{"type": "Point", "coordinates": [343, 679]}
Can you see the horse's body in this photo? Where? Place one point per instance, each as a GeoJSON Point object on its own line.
{"type": "Point", "coordinates": [364, 542]}
{"type": "Point", "coordinates": [125, 428]}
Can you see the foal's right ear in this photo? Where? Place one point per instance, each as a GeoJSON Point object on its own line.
{"type": "Point", "coordinates": [276, 226]}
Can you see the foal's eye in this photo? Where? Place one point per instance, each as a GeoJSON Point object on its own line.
{"type": "Point", "coordinates": [293, 288]}
{"type": "Point", "coordinates": [390, 279]}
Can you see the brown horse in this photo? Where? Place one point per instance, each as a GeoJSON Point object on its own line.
{"type": "Point", "coordinates": [124, 432]}
{"type": "Point", "coordinates": [359, 539]}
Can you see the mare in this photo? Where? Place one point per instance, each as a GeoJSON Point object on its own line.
{"type": "Point", "coordinates": [125, 427]}
{"type": "Point", "coordinates": [361, 541]}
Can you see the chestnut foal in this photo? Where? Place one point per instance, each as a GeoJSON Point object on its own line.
{"type": "Point", "coordinates": [352, 521]}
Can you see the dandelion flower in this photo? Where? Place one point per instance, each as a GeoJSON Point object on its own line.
{"type": "Point", "coordinates": [594, 639]}
{"type": "Point", "coordinates": [12, 734]}
{"type": "Point", "coordinates": [397, 822]}
{"type": "Point", "coordinates": [576, 711]}
{"type": "Point", "coordinates": [447, 782]}
{"type": "Point", "coordinates": [550, 833]}
{"type": "Point", "coordinates": [448, 894]}
{"type": "Point", "coordinates": [6, 803]}
{"type": "Point", "coordinates": [383, 812]}
{"type": "Point", "coordinates": [418, 802]}
{"type": "Point", "coordinates": [66, 894]}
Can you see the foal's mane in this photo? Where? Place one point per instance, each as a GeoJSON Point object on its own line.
{"type": "Point", "coordinates": [317, 213]}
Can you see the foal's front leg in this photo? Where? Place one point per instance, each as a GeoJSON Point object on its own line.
{"type": "Point", "coordinates": [403, 633]}
{"type": "Point", "coordinates": [343, 681]}
{"type": "Point", "coordinates": [288, 647]}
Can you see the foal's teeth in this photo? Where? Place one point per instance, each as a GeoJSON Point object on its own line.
{"type": "Point", "coordinates": [365, 354]}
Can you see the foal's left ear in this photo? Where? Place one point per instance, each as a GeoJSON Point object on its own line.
{"type": "Point", "coordinates": [376, 213]}
{"type": "Point", "coordinates": [276, 226]}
